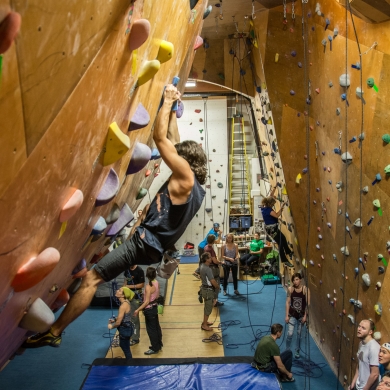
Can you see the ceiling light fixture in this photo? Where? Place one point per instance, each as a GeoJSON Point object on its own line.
{"type": "Point", "coordinates": [190, 84]}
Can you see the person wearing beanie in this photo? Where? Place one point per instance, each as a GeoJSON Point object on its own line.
{"type": "Point", "coordinates": [123, 320]}
{"type": "Point", "coordinates": [384, 358]}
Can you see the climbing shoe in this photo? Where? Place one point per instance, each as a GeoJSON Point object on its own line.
{"type": "Point", "coordinates": [42, 340]}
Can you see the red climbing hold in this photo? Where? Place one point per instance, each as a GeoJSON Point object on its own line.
{"type": "Point", "coordinates": [198, 111]}
{"type": "Point", "coordinates": [9, 28]}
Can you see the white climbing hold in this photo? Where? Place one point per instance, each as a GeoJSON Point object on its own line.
{"type": "Point", "coordinates": [365, 189]}
{"type": "Point", "coordinates": [358, 223]}
{"type": "Point", "coordinates": [345, 80]}
{"type": "Point", "coordinates": [366, 279]}
{"type": "Point", "coordinates": [345, 251]}
{"type": "Point", "coordinates": [377, 336]}
{"type": "Point", "coordinates": [346, 157]}
{"type": "Point", "coordinates": [339, 186]}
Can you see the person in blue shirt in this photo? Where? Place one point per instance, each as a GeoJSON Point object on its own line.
{"type": "Point", "coordinates": [271, 221]}
{"type": "Point", "coordinates": [215, 232]}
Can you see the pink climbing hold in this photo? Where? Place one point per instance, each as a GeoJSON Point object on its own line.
{"type": "Point", "coordinates": [71, 206]}
{"type": "Point", "coordinates": [317, 90]}
{"type": "Point", "coordinates": [198, 42]}
{"type": "Point", "coordinates": [36, 269]}
{"type": "Point", "coordinates": [61, 300]}
{"type": "Point", "coordinates": [9, 28]}
{"type": "Point", "coordinates": [139, 33]}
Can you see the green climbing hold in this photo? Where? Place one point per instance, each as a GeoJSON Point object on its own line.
{"type": "Point", "coordinates": [219, 185]}
{"type": "Point", "coordinates": [376, 203]}
{"type": "Point", "coordinates": [370, 82]}
{"type": "Point", "coordinates": [221, 76]}
{"type": "Point", "coordinates": [387, 169]}
{"type": "Point", "coordinates": [386, 138]}
{"type": "Point", "coordinates": [201, 131]}
{"type": "Point", "coordinates": [141, 193]}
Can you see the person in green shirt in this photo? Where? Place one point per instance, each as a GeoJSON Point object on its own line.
{"type": "Point", "coordinates": [255, 251]}
{"type": "Point", "coordinates": [268, 357]}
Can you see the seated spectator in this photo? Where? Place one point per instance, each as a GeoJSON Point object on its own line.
{"type": "Point", "coordinates": [255, 251]}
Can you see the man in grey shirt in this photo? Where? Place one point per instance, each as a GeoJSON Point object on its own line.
{"type": "Point", "coordinates": [209, 285]}
{"type": "Point", "coordinates": [367, 370]}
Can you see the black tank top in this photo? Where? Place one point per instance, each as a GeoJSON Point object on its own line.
{"type": "Point", "coordinates": [165, 222]}
{"type": "Point", "coordinates": [297, 304]}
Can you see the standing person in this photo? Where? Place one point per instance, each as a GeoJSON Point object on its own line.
{"type": "Point", "coordinates": [271, 221]}
{"type": "Point", "coordinates": [214, 265]}
{"type": "Point", "coordinates": [231, 256]}
{"type": "Point", "coordinates": [209, 285]}
{"type": "Point", "coordinates": [135, 281]}
{"type": "Point", "coordinates": [172, 209]}
{"type": "Point", "coordinates": [297, 302]}
{"type": "Point", "coordinates": [123, 321]}
{"type": "Point", "coordinates": [215, 232]}
{"type": "Point", "coordinates": [255, 250]}
{"type": "Point", "coordinates": [149, 307]}
{"type": "Point", "coordinates": [268, 357]}
{"type": "Point", "coordinates": [367, 370]}
{"type": "Point", "coordinates": [384, 358]}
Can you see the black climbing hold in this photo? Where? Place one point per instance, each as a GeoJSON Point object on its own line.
{"type": "Point", "coordinates": [193, 3]}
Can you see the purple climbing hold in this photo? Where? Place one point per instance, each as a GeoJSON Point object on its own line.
{"type": "Point", "coordinates": [140, 118]}
{"type": "Point", "coordinates": [312, 28]}
{"type": "Point", "coordinates": [292, 92]}
{"type": "Point", "coordinates": [293, 53]}
{"type": "Point", "coordinates": [140, 157]}
{"type": "Point", "coordinates": [109, 189]}
{"type": "Point", "coordinates": [304, 170]}
{"type": "Point", "coordinates": [180, 110]}
{"type": "Point", "coordinates": [81, 265]}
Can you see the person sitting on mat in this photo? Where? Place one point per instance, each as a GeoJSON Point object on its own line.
{"type": "Point", "coordinates": [255, 250]}
{"type": "Point", "coordinates": [149, 307]}
{"type": "Point", "coordinates": [208, 288]}
{"type": "Point", "coordinates": [214, 265]}
{"type": "Point", "coordinates": [268, 357]}
{"type": "Point", "coordinates": [135, 281]}
{"type": "Point", "coordinates": [215, 232]}
{"type": "Point", "coordinates": [230, 256]}
{"type": "Point", "coordinates": [123, 321]}
{"type": "Point", "coordinates": [271, 221]}
{"type": "Point", "coordinates": [156, 232]}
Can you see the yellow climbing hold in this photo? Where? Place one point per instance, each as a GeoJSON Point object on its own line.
{"type": "Point", "coordinates": [298, 178]}
{"type": "Point", "coordinates": [149, 69]}
{"type": "Point", "coordinates": [165, 52]}
{"type": "Point", "coordinates": [117, 144]}
{"type": "Point", "coordinates": [284, 190]}
{"type": "Point", "coordinates": [304, 263]}
{"type": "Point", "coordinates": [63, 228]}
{"type": "Point", "coordinates": [276, 57]}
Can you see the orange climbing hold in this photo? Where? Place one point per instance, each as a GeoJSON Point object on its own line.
{"type": "Point", "coordinates": [72, 205]}
{"type": "Point", "coordinates": [36, 269]}
{"type": "Point", "coordinates": [61, 300]}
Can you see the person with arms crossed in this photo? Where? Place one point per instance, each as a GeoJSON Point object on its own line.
{"type": "Point", "coordinates": [230, 256]}
{"type": "Point", "coordinates": [297, 302]}
{"type": "Point", "coordinates": [172, 209]}
{"type": "Point", "coordinates": [367, 370]}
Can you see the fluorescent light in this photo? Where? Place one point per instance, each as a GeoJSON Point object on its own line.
{"type": "Point", "coordinates": [190, 83]}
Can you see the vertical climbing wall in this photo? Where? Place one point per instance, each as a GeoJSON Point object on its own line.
{"type": "Point", "coordinates": [322, 187]}
{"type": "Point", "coordinates": [68, 76]}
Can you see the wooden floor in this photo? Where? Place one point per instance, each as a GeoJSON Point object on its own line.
{"type": "Point", "coordinates": [180, 323]}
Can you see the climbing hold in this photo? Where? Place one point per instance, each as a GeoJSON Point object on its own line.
{"type": "Point", "coordinates": [378, 285]}
{"type": "Point", "coordinates": [61, 300]}
{"type": "Point", "coordinates": [139, 33]}
{"type": "Point", "coordinates": [353, 139]}
{"type": "Point", "coordinates": [345, 80]}
{"type": "Point", "coordinates": [208, 210]}
{"type": "Point", "coordinates": [370, 220]}
{"type": "Point", "coordinates": [365, 189]}
{"type": "Point", "coordinates": [140, 157]}
{"type": "Point", "coordinates": [9, 28]}
{"type": "Point", "coordinates": [147, 72]}
{"type": "Point", "coordinates": [113, 215]}
{"type": "Point", "coordinates": [36, 269]}
{"type": "Point", "coordinates": [359, 94]}
{"type": "Point", "coordinates": [117, 144]}
{"type": "Point", "coordinates": [346, 157]}
{"type": "Point", "coordinates": [387, 169]}
{"type": "Point", "coordinates": [350, 316]}
{"type": "Point", "coordinates": [155, 154]}
{"type": "Point", "coordinates": [304, 170]}
{"type": "Point", "coordinates": [318, 247]}
{"type": "Point", "coordinates": [79, 267]}
{"type": "Point", "coordinates": [366, 279]}
{"type": "Point", "coordinates": [293, 53]}
{"type": "Point", "coordinates": [193, 3]}
{"type": "Point", "coordinates": [180, 109]}
{"type": "Point", "coordinates": [339, 186]}
{"type": "Point", "coordinates": [165, 51]}
{"type": "Point", "coordinates": [99, 227]}
{"type": "Point", "coordinates": [381, 269]}
{"type": "Point", "coordinates": [298, 178]}
{"type": "Point", "coordinates": [378, 178]}
{"type": "Point", "coordinates": [276, 57]}
{"type": "Point", "coordinates": [317, 90]}
{"type": "Point", "coordinates": [207, 11]}
{"type": "Point", "coordinates": [358, 223]}
{"type": "Point", "coordinates": [141, 193]}
{"type": "Point", "coordinates": [337, 151]}
{"type": "Point", "coordinates": [338, 111]}
{"type": "Point", "coordinates": [140, 119]}
{"type": "Point", "coordinates": [219, 185]}
{"type": "Point", "coordinates": [330, 84]}
{"type": "Point", "coordinates": [148, 172]}
{"type": "Point", "coordinates": [318, 189]}
{"type": "Point", "coordinates": [198, 42]}
{"type": "Point", "coordinates": [109, 189]}
{"type": "Point", "coordinates": [376, 203]}
{"type": "Point", "coordinates": [378, 308]}
{"type": "Point", "coordinates": [344, 250]}
{"type": "Point", "coordinates": [329, 225]}
{"type": "Point", "coordinates": [292, 92]}
{"type": "Point", "coordinates": [125, 217]}
{"type": "Point", "coordinates": [299, 64]}
{"type": "Point", "coordinates": [71, 206]}
{"type": "Point", "coordinates": [38, 318]}
{"type": "Point", "coordinates": [386, 138]}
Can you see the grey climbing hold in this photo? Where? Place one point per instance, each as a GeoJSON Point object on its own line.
{"type": "Point", "coordinates": [346, 157]}
{"type": "Point", "coordinates": [365, 189]}
{"type": "Point", "coordinates": [292, 92]}
{"type": "Point", "coordinates": [208, 210]}
{"type": "Point", "coordinates": [358, 223]}
{"type": "Point", "coordinates": [330, 84]}
{"type": "Point", "coordinates": [366, 279]}
{"type": "Point", "coordinates": [339, 186]}
{"type": "Point", "coordinates": [362, 136]}
{"type": "Point", "coordinates": [338, 111]}
{"type": "Point", "coordinates": [219, 185]}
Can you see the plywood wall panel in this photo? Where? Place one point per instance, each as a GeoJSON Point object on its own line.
{"type": "Point", "coordinates": [69, 155]}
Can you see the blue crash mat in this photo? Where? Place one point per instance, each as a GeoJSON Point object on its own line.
{"type": "Point", "coordinates": [179, 376]}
